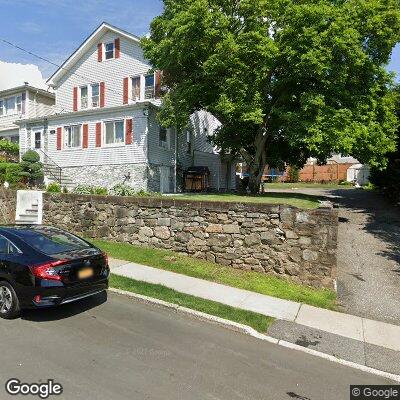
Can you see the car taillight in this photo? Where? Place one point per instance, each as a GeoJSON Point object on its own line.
{"type": "Point", "coordinates": [47, 270]}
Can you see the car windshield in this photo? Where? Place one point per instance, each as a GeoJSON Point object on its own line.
{"type": "Point", "coordinates": [52, 241]}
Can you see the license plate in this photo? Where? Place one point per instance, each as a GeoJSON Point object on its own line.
{"type": "Point", "coordinates": [85, 273]}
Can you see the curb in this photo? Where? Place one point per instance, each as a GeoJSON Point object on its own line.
{"type": "Point", "coordinates": [247, 330]}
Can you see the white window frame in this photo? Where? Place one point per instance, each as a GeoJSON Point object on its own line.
{"type": "Point", "coordinates": [104, 133]}
{"type": "Point", "coordinates": [105, 51]}
{"type": "Point", "coordinates": [154, 87]}
{"type": "Point", "coordinates": [65, 137]}
{"type": "Point", "coordinates": [6, 110]}
{"type": "Point", "coordinates": [90, 90]}
{"type": "Point", "coordinates": [1, 107]}
{"type": "Point", "coordinates": [87, 97]}
{"type": "Point", "coordinates": [18, 104]}
{"type": "Point", "coordinates": [140, 77]}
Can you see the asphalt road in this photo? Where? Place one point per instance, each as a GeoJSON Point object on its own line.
{"type": "Point", "coordinates": [120, 349]}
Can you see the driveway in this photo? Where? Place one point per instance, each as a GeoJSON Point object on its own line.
{"type": "Point", "coordinates": [368, 253]}
{"type": "Point", "coordinates": [120, 349]}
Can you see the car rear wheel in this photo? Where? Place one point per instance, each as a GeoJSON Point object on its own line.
{"type": "Point", "coordinates": [9, 304]}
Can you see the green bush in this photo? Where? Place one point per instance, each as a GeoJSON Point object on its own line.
{"type": "Point", "coordinates": [8, 147]}
{"type": "Point", "coordinates": [122, 190]}
{"type": "Point", "coordinates": [294, 173]}
{"type": "Point", "coordinates": [31, 167]}
{"type": "Point", "coordinates": [90, 190]}
{"type": "Point", "coordinates": [53, 187]}
{"type": "Point", "coordinates": [10, 172]}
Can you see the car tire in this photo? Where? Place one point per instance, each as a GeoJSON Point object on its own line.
{"type": "Point", "coordinates": [9, 303]}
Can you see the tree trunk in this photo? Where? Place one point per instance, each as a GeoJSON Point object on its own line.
{"type": "Point", "coordinates": [256, 162]}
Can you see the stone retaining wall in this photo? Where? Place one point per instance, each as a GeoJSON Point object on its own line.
{"type": "Point", "coordinates": [8, 199]}
{"type": "Point", "coordinates": [280, 240]}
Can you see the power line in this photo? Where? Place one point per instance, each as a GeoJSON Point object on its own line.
{"type": "Point", "coordinates": [89, 80]}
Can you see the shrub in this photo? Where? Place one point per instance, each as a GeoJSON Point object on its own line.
{"type": "Point", "coordinates": [53, 187]}
{"type": "Point", "coordinates": [122, 190]}
{"type": "Point", "coordinates": [293, 174]}
{"type": "Point", "coordinates": [31, 167]}
{"type": "Point", "coordinates": [90, 190]}
{"type": "Point", "coordinates": [8, 147]}
{"type": "Point", "coordinates": [10, 172]}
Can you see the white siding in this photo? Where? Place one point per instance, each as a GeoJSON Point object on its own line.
{"type": "Point", "coordinates": [88, 70]}
{"type": "Point", "coordinates": [105, 155]}
{"type": "Point", "coordinates": [39, 105]}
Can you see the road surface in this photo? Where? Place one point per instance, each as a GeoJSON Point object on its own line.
{"type": "Point", "coordinates": [120, 349]}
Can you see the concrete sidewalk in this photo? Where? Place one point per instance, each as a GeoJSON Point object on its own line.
{"type": "Point", "coordinates": [355, 329]}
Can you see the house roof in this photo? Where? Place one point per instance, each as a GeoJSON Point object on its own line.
{"type": "Point", "coordinates": [17, 89]}
{"type": "Point", "coordinates": [90, 41]}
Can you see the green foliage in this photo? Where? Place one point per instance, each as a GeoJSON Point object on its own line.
{"type": "Point", "coordinates": [8, 147]}
{"type": "Point", "coordinates": [53, 187]}
{"type": "Point", "coordinates": [287, 79]}
{"type": "Point", "coordinates": [90, 190]}
{"type": "Point", "coordinates": [122, 190]}
{"type": "Point", "coordinates": [294, 173]}
{"type": "Point", "coordinates": [31, 168]}
{"type": "Point", "coordinates": [10, 172]}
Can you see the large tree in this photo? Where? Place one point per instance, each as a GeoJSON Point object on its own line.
{"type": "Point", "coordinates": [287, 79]}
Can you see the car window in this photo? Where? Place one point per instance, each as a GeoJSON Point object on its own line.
{"type": "Point", "coordinates": [52, 241]}
{"type": "Point", "coordinates": [6, 247]}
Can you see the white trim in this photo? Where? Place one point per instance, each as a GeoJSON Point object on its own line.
{"type": "Point", "coordinates": [100, 31]}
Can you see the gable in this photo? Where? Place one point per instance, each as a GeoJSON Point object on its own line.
{"type": "Point", "coordinates": [87, 46]}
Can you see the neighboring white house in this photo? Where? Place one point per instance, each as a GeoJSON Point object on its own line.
{"type": "Point", "coordinates": [20, 103]}
{"type": "Point", "coordinates": [104, 129]}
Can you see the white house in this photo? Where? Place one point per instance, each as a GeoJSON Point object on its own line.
{"type": "Point", "coordinates": [104, 129]}
{"type": "Point", "coordinates": [20, 103]}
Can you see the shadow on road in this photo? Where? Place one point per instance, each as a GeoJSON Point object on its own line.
{"type": "Point", "coordinates": [64, 311]}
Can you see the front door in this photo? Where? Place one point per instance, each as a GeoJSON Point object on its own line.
{"type": "Point", "coordinates": [38, 142]}
{"type": "Point", "coordinates": [164, 179]}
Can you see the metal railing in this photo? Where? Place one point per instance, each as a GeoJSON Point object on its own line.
{"type": "Point", "coordinates": [52, 168]}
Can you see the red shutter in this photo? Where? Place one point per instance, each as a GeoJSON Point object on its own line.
{"type": "Point", "coordinates": [85, 136]}
{"type": "Point", "coordinates": [157, 77]}
{"type": "Point", "coordinates": [75, 99]}
{"type": "Point", "coordinates": [100, 52]}
{"type": "Point", "coordinates": [126, 91]}
{"type": "Point", "coordinates": [102, 93]}
{"type": "Point", "coordinates": [129, 131]}
{"type": "Point", "coordinates": [59, 138]}
{"type": "Point", "coordinates": [117, 46]}
{"type": "Point", "coordinates": [98, 134]}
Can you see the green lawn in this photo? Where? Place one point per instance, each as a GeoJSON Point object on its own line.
{"type": "Point", "coordinates": [293, 199]}
{"type": "Point", "coordinates": [305, 185]}
{"type": "Point", "coordinates": [256, 321]}
{"type": "Point", "coordinates": [249, 280]}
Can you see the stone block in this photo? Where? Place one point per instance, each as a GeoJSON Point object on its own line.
{"type": "Point", "coordinates": [164, 221]}
{"type": "Point", "coordinates": [310, 255]}
{"type": "Point", "coordinates": [214, 228]}
{"type": "Point", "coordinates": [162, 232]}
{"type": "Point", "coordinates": [231, 228]}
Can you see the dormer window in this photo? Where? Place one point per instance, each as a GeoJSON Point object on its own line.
{"type": "Point", "coordinates": [109, 50]}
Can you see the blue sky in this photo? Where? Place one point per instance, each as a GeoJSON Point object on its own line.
{"type": "Point", "coordinates": [55, 28]}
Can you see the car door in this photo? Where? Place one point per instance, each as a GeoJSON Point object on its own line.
{"type": "Point", "coordinates": [8, 251]}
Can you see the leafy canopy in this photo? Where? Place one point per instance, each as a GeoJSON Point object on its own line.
{"type": "Point", "coordinates": [287, 79]}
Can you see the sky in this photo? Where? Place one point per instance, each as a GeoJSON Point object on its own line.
{"type": "Point", "coordinates": [55, 28]}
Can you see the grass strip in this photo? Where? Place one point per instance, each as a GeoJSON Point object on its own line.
{"type": "Point", "coordinates": [257, 321]}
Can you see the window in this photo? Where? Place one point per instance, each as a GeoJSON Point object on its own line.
{"type": "Point", "coordinates": [38, 139]}
{"type": "Point", "coordinates": [95, 95]}
{"type": "Point", "coordinates": [163, 137]}
{"type": "Point", "coordinates": [10, 105]}
{"type": "Point", "coordinates": [73, 136]}
{"type": "Point", "coordinates": [109, 50]}
{"type": "Point", "coordinates": [188, 142]}
{"type": "Point", "coordinates": [19, 104]}
{"type": "Point", "coordinates": [84, 97]}
{"type": "Point", "coordinates": [52, 241]}
{"type": "Point", "coordinates": [136, 88]}
{"type": "Point", "coordinates": [1, 107]}
{"type": "Point", "coordinates": [114, 132]}
{"type": "Point", "coordinates": [149, 87]}
{"type": "Point", "coordinates": [6, 247]}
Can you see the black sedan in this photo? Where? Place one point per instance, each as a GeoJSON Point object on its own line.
{"type": "Point", "coordinates": [42, 266]}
